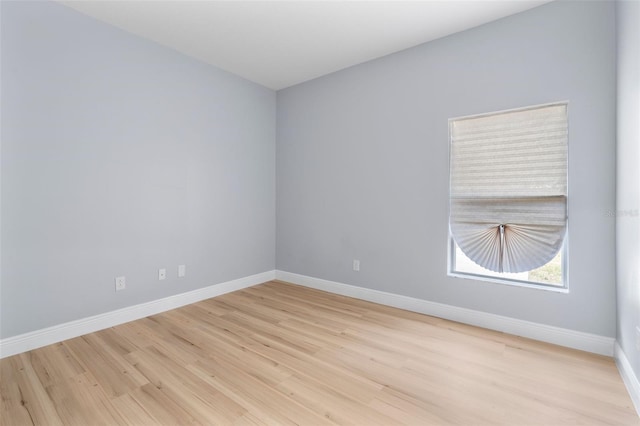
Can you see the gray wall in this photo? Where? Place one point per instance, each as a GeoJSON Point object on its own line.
{"type": "Point", "coordinates": [628, 182]}
{"type": "Point", "coordinates": [120, 157]}
{"type": "Point", "coordinates": [362, 161]}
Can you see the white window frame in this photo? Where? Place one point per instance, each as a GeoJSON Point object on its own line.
{"type": "Point", "coordinates": [451, 250]}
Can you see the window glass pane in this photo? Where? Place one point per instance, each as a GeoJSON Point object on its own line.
{"type": "Point", "coordinates": [549, 274]}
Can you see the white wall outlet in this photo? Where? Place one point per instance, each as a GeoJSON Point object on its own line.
{"type": "Point", "coordinates": [121, 283]}
{"type": "Point", "coordinates": [182, 271]}
{"type": "Point", "coordinates": [638, 338]}
{"type": "Point", "coordinates": [162, 274]}
{"type": "Point", "coordinates": [356, 265]}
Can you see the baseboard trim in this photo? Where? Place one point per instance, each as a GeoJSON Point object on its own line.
{"type": "Point", "coordinates": [574, 339]}
{"type": "Point", "coordinates": [628, 376]}
{"type": "Point", "coordinates": [560, 336]}
{"type": "Point", "coordinates": [47, 336]}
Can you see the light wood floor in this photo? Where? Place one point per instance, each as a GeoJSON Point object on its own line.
{"type": "Point", "coordinates": [283, 354]}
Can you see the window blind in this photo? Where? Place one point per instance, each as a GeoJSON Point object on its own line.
{"type": "Point", "coordinates": [508, 182]}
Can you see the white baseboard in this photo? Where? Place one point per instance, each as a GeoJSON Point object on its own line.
{"type": "Point", "coordinates": [47, 336]}
{"type": "Point", "coordinates": [628, 376]}
{"type": "Point", "coordinates": [560, 336]}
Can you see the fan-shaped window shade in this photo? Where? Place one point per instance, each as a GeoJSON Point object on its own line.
{"type": "Point", "coordinates": [509, 187]}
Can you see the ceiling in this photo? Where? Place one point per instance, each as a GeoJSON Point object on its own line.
{"type": "Point", "coordinates": [282, 43]}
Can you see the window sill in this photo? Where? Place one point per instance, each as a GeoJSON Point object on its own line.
{"type": "Point", "coordinates": [513, 283]}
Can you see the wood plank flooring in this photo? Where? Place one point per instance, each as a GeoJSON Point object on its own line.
{"type": "Point", "coordinates": [280, 354]}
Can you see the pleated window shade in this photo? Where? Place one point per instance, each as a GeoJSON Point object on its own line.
{"type": "Point", "coordinates": [508, 180]}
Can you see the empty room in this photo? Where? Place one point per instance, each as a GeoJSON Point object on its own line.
{"type": "Point", "coordinates": [320, 212]}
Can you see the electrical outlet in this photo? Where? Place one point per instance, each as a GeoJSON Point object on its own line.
{"type": "Point", "coordinates": [121, 283]}
{"type": "Point", "coordinates": [638, 338]}
{"type": "Point", "coordinates": [356, 265]}
{"type": "Point", "coordinates": [182, 271]}
{"type": "Point", "coordinates": [162, 274]}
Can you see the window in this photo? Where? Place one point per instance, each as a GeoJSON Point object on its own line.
{"type": "Point", "coordinates": [508, 195]}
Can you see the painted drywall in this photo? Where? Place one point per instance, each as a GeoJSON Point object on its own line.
{"type": "Point", "coordinates": [362, 162]}
{"type": "Point", "coordinates": [120, 157]}
{"type": "Point", "coordinates": [628, 180]}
